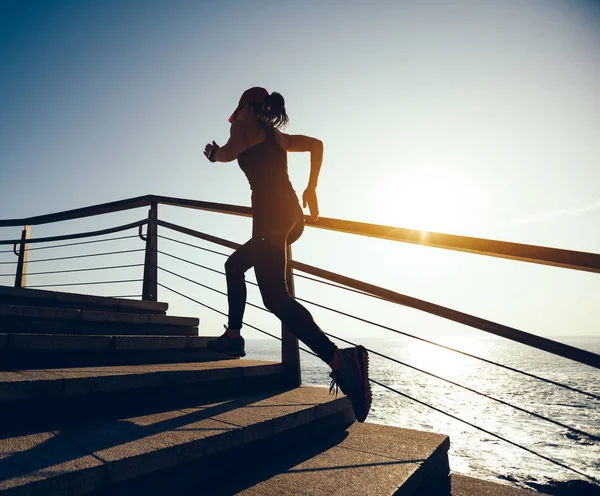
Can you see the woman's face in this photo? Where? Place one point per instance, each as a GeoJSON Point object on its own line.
{"type": "Point", "coordinates": [243, 111]}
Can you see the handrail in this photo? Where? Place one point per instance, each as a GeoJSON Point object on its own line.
{"type": "Point", "coordinates": [570, 259]}
{"type": "Point", "coordinates": [89, 234]}
{"type": "Point", "coordinates": [554, 347]}
{"type": "Point", "coordinates": [79, 213]}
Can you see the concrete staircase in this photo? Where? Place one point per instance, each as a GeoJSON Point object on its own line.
{"type": "Point", "coordinates": [108, 396]}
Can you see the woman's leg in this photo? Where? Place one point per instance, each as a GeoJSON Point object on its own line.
{"type": "Point", "coordinates": [270, 266]}
{"type": "Point", "coordinates": [235, 269]}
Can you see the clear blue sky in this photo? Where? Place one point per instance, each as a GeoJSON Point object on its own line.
{"type": "Point", "coordinates": [478, 118]}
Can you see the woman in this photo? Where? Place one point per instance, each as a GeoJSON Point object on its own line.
{"type": "Point", "coordinates": [261, 150]}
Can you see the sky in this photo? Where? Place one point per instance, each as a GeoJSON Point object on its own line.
{"type": "Point", "coordinates": [473, 118]}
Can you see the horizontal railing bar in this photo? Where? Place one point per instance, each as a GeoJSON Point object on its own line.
{"type": "Point", "coordinates": [576, 260]}
{"type": "Point", "coordinates": [569, 259]}
{"type": "Point", "coordinates": [80, 213]}
{"type": "Point", "coordinates": [541, 343]}
{"type": "Point", "coordinates": [220, 208]}
{"type": "Point", "coordinates": [88, 234]}
{"type": "Point", "coordinates": [554, 347]}
{"type": "Point", "coordinates": [556, 257]}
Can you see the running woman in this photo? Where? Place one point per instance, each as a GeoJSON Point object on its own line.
{"type": "Point", "coordinates": [277, 221]}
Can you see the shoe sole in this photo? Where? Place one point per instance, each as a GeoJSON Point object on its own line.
{"type": "Point", "coordinates": [237, 354]}
{"type": "Point", "coordinates": [361, 357]}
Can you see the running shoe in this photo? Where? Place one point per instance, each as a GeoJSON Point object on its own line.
{"type": "Point", "coordinates": [352, 377]}
{"type": "Point", "coordinates": [234, 347]}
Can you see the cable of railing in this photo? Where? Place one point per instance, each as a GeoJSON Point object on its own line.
{"type": "Point", "coordinates": [554, 347]}
{"type": "Point", "coordinates": [528, 374]}
{"type": "Point", "coordinates": [83, 270]}
{"type": "Point", "coordinates": [191, 263]}
{"type": "Point", "coordinates": [83, 242]}
{"type": "Point", "coordinates": [505, 403]}
{"type": "Point", "coordinates": [193, 246]}
{"type": "Point", "coordinates": [502, 438]}
{"type": "Point", "coordinates": [506, 367]}
{"type": "Point", "coordinates": [534, 414]}
{"type": "Point", "coordinates": [84, 283]}
{"type": "Point", "coordinates": [84, 256]}
{"type": "Point", "coordinates": [481, 429]}
{"type": "Point", "coordinates": [215, 310]}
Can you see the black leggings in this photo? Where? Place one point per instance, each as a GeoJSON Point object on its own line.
{"type": "Point", "coordinates": [266, 252]}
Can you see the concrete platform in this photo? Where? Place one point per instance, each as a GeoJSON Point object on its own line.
{"type": "Point", "coordinates": [38, 297]}
{"type": "Point", "coordinates": [90, 457]}
{"type": "Point", "coordinates": [463, 485]}
{"type": "Point", "coordinates": [56, 320]}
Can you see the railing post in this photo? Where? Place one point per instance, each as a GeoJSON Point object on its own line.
{"type": "Point", "coordinates": [150, 286]}
{"type": "Point", "coordinates": [290, 353]}
{"type": "Point", "coordinates": [21, 275]}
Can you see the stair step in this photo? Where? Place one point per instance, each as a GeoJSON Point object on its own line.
{"type": "Point", "coordinates": [368, 459]}
{"type": "Point", "coordinates": [93, 456]}
{"type": "Point", "coordinates": [53, 385]}
{"type": "Point", "coordinates": [52, 320]}
{"type": "Point", "coordinates": [26, 351]}
{"type": "Point", "coordinates": [40, 297]}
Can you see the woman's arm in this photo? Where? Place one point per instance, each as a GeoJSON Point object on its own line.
{"type": "Point", "coordinates": [234, 146]}
{"type": "Point", "coordinates": [301, 143]}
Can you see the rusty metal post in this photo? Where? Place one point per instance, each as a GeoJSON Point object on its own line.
{"type": "Point", "coordinates": [290, 352]}
{"type": "Point", "coordinates": [23, 254]}
{"type": "Point", "coordinates": [150, 284]}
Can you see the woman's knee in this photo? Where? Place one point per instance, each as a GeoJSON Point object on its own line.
{"type": "Point", "coordinates": [276, 302]}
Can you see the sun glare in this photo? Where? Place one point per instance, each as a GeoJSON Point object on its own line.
{"type": "Point", "coordinates": [439, 203]}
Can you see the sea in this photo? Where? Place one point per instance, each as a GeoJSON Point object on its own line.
{"type": "Point", "coordinates": [422, 377]}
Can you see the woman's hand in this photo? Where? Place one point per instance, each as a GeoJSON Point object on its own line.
{"type": "Point", "coordinates": [210, 149]}
{"type": "Point", "coordinates": [310, 197]}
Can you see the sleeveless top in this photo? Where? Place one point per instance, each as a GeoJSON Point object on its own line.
{"type": "Point", "coordinates": [265, 167]}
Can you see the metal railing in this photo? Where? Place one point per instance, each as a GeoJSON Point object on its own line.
{"type": "Point", "coordinates": [573, 260]}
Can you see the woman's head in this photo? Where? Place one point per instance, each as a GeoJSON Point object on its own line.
{"type": "Point", "coordinates": [257, 103]}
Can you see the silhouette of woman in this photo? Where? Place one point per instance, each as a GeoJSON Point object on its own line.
{"type": "Point", "coordinates": [261, 151]}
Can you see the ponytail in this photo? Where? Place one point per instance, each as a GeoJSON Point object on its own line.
{"type": "Point", "coordinates": [273, 112]}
